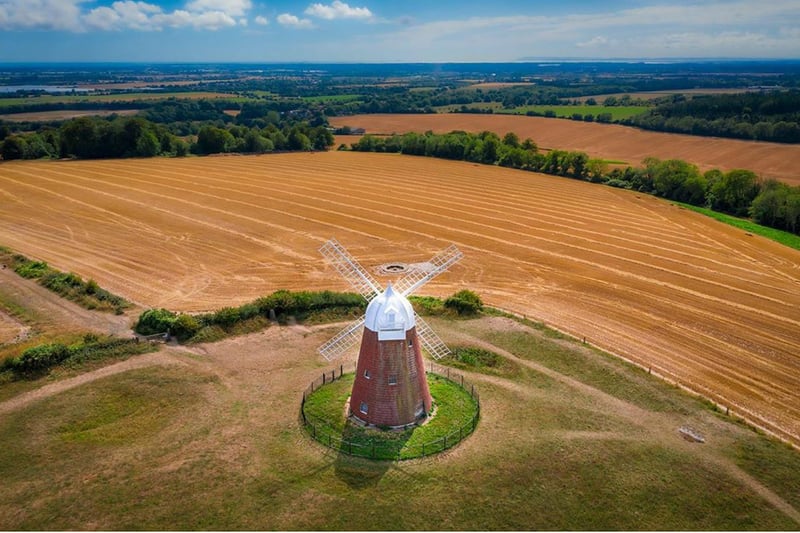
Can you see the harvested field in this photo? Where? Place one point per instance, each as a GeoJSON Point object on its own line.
{"type": "Point", "coordinates": [64, 114]}
{"type": "Point", "coordinates": [605, 141]}
{"type": "Point", "coordinates": [695, 300]}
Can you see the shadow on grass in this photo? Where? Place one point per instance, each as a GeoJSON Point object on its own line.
{"type": "Point", "coordinates": [365, 455]}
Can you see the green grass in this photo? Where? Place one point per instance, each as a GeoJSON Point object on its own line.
{"type": "Point", "coordinates": [455, 411]}
{"type": "Point", "coordinates": [333, 98]}
{"type": "Point", "coordinates": [566, 111]}
{"type": "Point", "coordinates": [168, 448]}
{"type": "Point", "coordinates": [784, 237]}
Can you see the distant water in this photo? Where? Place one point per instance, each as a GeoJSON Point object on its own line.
{"type": "Point", "coordinates": [45, 88]}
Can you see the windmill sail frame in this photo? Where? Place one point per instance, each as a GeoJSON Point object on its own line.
{"type": "Point", "coordinates": [367, 286]}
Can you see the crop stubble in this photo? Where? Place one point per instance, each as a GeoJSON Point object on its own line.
{"type": "Point", "coordinates": [695, 300]}
{"type": "Point", "coordinates": [605, 141]}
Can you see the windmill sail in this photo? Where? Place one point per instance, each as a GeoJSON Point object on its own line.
{"type": "Point", "coordinates": [343, 341]}
{"type": "Point", "coordinates": [350, 269]}
{"type": "Point", "coordinates": [438, 264]}
{"type": "Point", "coordinates": [430, 340]}
{"type": "Point", "coordinates": [363, 283]}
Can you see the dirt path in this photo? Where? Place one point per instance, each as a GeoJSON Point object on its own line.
{"type": "Point", "coordinates": [659, 427]}
{"type": "Point", "coordinates": [141, 361]}
{"type": "Point", "coordinates": [58, 312]}
{"type": "Point", "coordinates": [11, 329]}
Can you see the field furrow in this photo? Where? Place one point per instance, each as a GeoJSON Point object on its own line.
{"type": "Point", "coordinates": [698, 302]}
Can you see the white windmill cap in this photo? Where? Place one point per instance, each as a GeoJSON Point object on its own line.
{"type": "Point", "coordinates": [390, 315]}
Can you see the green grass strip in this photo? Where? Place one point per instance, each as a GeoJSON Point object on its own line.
{"type": "Point", "coordinates": [784, 237]}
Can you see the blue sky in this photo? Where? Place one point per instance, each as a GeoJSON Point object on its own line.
{"type": "Point", "coordinates": [394, 31]}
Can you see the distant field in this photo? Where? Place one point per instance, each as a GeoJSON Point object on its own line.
{"type": "Point", "coordinates": [697, 301]}
{"type": "Point", "coordinates": [64, 114]}
{"type": "Point", "coordinates": [500, 85]}
{"type": "Point", "coordinates": [604, 141]}
{"type": "Point", "coordinates": [566, 111]}
{"type": "Point", "coordinates": [122, 97]}
{"type": "Point", "coordinates": [333, 98]}
{"type": "Point", "coordinates": [652, 95]}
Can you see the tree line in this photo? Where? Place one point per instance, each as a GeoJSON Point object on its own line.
{"type": "Point", "coordinates": [771, 116]}
{"type": "Point", "coordinates": [121, 137]}
{"type": "Point", "coordinates": [738, 192]}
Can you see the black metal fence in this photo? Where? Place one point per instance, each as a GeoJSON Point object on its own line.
{"type": "Point", "coordinates": [335, 438]}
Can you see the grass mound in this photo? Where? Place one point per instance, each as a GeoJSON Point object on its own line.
{"type": "Point", "coordinates": [456, 416]}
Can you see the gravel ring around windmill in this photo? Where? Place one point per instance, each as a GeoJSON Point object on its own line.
{"type": "Point", "coordinates": [390, 397]}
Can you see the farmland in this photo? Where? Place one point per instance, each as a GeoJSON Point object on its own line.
{"type": "Point", "coordinates": [604, 141]}
{"type": "Point", "coordinates": [560, 111]}
{"type": "Point", "coordinates": [690, 299]}
{"type": "Point", "coordinates": [64, 114]}
{"type": "Point", "coordinates": [6, 103]}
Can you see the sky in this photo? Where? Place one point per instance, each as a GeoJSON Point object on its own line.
{"type": "Point", "coordinates": [201, 31]}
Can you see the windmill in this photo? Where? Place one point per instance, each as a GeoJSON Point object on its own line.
{"type": "Point", "coordinates": [390, 388]}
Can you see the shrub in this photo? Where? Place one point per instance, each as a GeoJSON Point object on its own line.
{"type": "Point", "coordinates": [155, 321]}
{"type": "Point", "coordinates": [427, 305]}
{"type": "Point", "coordinates": [30, 269]}
{"type": "Point", "coordinates": [464, 302]}
{"type": "Point", "coordinates": [40, 358]}
{"type": "Point", "coordinates": [184, 327]}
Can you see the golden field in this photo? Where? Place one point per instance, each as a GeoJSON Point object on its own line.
{"type": "Point", "coordinates": [696, 301]}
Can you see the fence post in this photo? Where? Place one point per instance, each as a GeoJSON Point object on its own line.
{"type": "Point", "coordinates": [341, 370]}
{"type": "Point", "coordinates": [323, 378]}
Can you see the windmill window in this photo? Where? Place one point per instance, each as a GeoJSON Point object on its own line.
{"type": "Point", "coordinates": [366, 374]}
{"type": "Point", "coordinates": [410, 343]}
{"type": "Point", "coordinates": [364, 407]}
{"type": "Point", "coordinates": [393, 379]}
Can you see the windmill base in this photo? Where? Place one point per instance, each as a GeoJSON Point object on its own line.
{"type": "Point", "coordinates": [420, 421]}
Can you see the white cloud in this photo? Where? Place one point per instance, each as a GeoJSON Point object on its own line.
{"type": "Point", "coordinates": [596, 41]}
{"type": "Point", "coordinates": [121, 15]}
{"type": "Point", "coordinates": [261, 21]}
{"type": "Point", "coordinates": [141, 16]}
{"type": "Point", "coordinates": [287, 19]}
{"type": "Point", "coordinates": [40, 14]}
{"type": "Point", "coordinates": [233, 8]}
{"type": "Point", "coordinates": [338, 10]}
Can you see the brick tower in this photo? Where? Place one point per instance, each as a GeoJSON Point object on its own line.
{"type": "Point", "coordinates": [390, 387]}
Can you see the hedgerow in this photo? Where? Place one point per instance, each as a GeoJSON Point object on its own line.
{"type": "Point", "coordinates": [86, 293]}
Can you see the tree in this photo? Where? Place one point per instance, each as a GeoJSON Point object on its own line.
{"type": "Point", "coordinates": [735, 191]}
{"type": "Point", "coordinates": [213, 140]}
{"type": "Point", "coordinates": [13, 147]}
{"type": "Point", "coordinates": [511, 139]}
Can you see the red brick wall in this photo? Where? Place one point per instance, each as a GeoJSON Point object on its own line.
{"type": "Point", "coordinates": [396, 404]}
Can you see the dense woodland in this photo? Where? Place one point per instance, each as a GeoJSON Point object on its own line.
{"type": "Point", "coordinates": [174, 129]}
{"type": "Point", "coordinates": [764, 116]}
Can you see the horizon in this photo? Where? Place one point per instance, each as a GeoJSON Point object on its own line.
{"type": "Point", "coordinates": [379, 32]}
